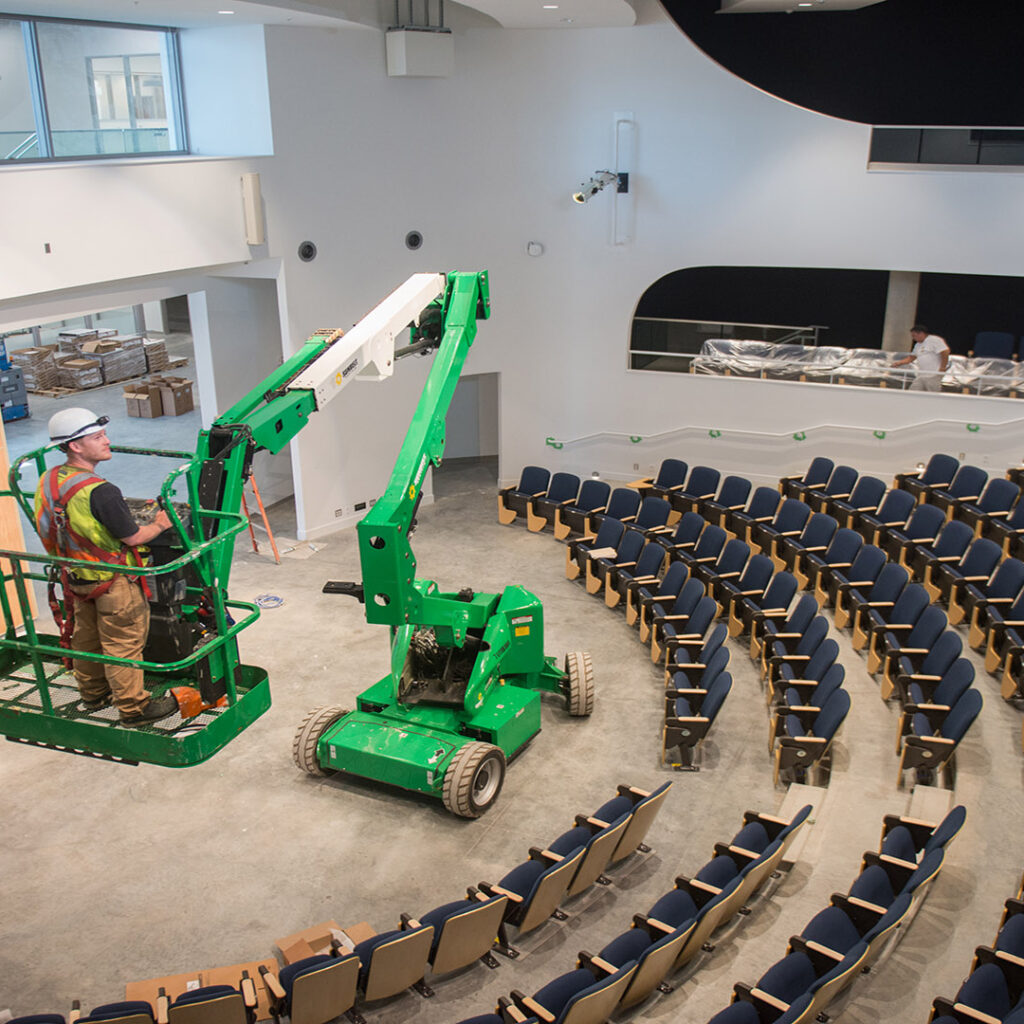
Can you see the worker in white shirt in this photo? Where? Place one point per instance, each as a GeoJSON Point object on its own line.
{"type": "Point", "coordinates": [931, 353]}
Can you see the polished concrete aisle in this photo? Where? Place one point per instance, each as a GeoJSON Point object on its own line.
{"type": "Point", "coordinates": [112, 873]}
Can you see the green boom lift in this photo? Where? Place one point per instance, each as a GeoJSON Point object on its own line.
{"type": "Point", "coordinates": [461, 696]}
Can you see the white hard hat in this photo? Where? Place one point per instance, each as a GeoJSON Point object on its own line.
{"type": "Point", "coordinates": [71, 424]}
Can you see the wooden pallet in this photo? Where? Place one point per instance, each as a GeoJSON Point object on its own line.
{"type": "Point", "coordinates": [58, 392]}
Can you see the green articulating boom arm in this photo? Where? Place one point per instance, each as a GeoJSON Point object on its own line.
{"type": "Point", "coordinates": [392, 594]}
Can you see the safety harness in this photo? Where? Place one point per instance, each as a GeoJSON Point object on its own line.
{"type": "Point", "coordinates": [61, 539]}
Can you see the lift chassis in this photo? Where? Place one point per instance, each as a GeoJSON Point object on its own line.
{"type": "Point", "coordinates": [462, 696]}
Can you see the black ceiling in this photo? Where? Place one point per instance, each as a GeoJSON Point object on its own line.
{"type": "Point", "coordinates": [901, 62]}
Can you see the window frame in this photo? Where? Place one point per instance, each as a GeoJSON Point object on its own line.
{"type": "Point", "coordinates": [168, 47]}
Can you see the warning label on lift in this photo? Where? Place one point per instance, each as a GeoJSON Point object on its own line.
{"type": "Point", "coordinates": [522, 624]}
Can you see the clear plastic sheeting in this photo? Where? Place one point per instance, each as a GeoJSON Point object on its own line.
{"type": "Point", "coordinates": [862, 366]}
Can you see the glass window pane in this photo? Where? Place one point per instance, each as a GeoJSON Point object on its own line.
{"type": "Point", "coordinates": [106, 89]}
{"type": "Point", "coordinates": [17, 121]}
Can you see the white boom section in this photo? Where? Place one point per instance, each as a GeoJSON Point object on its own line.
{"type": "Point", "coordinates": [367, 351]}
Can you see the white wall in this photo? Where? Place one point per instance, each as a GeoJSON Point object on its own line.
{"type": "Point", "coordinates": [236, 327]}
{"type": "Point", "coordinates": [226, 93]}
{"type": "Point", "coordinates": [483, 162]}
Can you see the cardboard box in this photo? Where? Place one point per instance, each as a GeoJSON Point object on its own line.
{"type": "Point", "coordinates": [175, 984]}
{"type": "Point", "coordinates": [176, 395]}
{"type": "Point", "coordinates": [143, 401]}
{"type": "Point", "coordinates": [79, 373]}
{"type": "Point", "coordinates": [317, 939]}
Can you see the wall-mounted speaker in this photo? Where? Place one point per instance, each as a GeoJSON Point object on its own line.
{"type": "Point", "coordinates": [252, 209]}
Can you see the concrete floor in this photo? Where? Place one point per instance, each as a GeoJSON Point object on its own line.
{"type": "Point", "coordinates": [113, 874]}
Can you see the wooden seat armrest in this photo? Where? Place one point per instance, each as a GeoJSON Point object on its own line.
{"type": "Point", "coordinates": [640, 580]}
{"type": "Point", "coordinates": [793, 709]}
{"type": "Point", "coordinates": [659, 529]}
{"type": "Point", "coordinates": [971, 579]}
{"type": "Point", "coordinates": [762, 519]}
{"type": "Point", "coordinates": [685, 693]}
{"type": "Point", "coordinates": [948, 558]}
{"type": "Point", "coordinates": [911, 650]}
{"type": "Point", "coordinates": [750, 816]}
{"type": "Point", "coordinates": [582, 821]}
{"type": "Point", "coordinates": [998, 513]}
{"type": "Point", "coordinates": [624, 565]}
{"type": "Point", "coordinates": [740, 851]}
{"type": "Point", "coordinates": [634, 791]}
{"type": "Point", "coordinates": [796, 741]}
{"type": "Point", "coordinates": [728, 575]}
{"type": "Point", "coordinates": [271, 982]}
{"type": "Point", "coordinates": [599, 552]}
{"type": "Point", "coordinates": [735, 508]}
{"type": "Point", "coordinates": [912, 709]}
{"type": "Point", "coordinates": [673, 720]}
{"type": "Point", "coordinates": [598, 822]}
{"type": "Point", "coordinates": [653, 922]}
{"type": "Point", "coordinates": [685, 667]}
{"type": "Point", "coordinates": [163, 1007]}
{"type": "Point", "coordinates": [1011, 622]}
{"type": "Point", "coordinates": [880, 604]}
{"type": "Point", "coordinates": [927, 741]}
{"type": "Point", "coordinates": [751, 593]}
{"type": "Point", "coordinates": [536, 853]}
{"type": "Point", "coordinates": [783, 636]}
{"type": "Point", "coordinates": [627, 519]}
{"type": "Point", "coordinates": [838, 565]}
{"type": "Point", "coordinates": [764, 997]}
{"type": "Point", "coordinates": [704, 886]}
{"type": "Point", "coordinates": [865, 905]}
{"type": "Point", "coordinates": [817, 947]}
{"type": "Point", "coordinates": [778, 658]}
{"type": "Point", "coordinates": [705, 561]}
{"type": "Point", "coordinates": [248, 989]}
{"type": "Point", "coordinates": [789, 533]}
{"type": "Point", "coordinates": [531, 1006]}
{"type": "Point", "coordinates": [497, 890]}
{"type": "Point", "coordinates": [599, 963]}
{"type": "Point", "coordinates": [924, 678]}
{"type": "Point", "coordinates": [1017, 961]}
{"type": "Point", "coordinates": [816, 547]}
{"type": "Point", "coordinates": [771, 613]}
{"type": "Point", "coordinates": [971, 1013]}
{"type": "Point", "coordinates": [644, 481]}
{"type": "Point", "coordinates": [898, 862]}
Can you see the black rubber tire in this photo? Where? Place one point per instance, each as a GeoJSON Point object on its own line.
{"type": "Point", "coordinates": [579, 695]}
{"type": "Point", "coordinates": [474, 779]}
{"type": "Point", "coordinates": [312, 728]}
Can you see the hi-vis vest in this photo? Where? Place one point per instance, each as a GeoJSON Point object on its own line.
{"type": "Point", "coordinates": [67, 527]}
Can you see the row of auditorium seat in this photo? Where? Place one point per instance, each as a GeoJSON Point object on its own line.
{"type": "Point", "coordinates": [845, 938]}
{"type": "Point", "coordinates": [660, 942]}
{"type": "Point", "coordinates": [994, 990]}
{"type": "Point", "coordinates": [319, 988]}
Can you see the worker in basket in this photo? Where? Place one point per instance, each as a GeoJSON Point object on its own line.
{"type": "Point", "coordinates": [82, 516]}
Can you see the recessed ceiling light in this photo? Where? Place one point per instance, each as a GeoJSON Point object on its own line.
{"type": "Point", "coordinates": [550, 7]}
{"type": "Point", "coordinates": [225, 12]}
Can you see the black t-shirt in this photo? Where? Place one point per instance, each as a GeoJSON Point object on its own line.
{"type": "Point", "coordinates": [107, 504]}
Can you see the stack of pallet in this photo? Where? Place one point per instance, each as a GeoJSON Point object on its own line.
{"type": "Point", "coordinates": [122, 358]}
{"type": "Point", "coordinates": [76, 372]}
{"type": "Point", "coordinates": [38, 367]}
{"type": "Point", "coordinates": [156, 356]}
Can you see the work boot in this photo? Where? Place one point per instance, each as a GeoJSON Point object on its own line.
{"type": "Point", "coordinates": [96, 705]}
{"type": "Point", "coordinates": [152, 711]}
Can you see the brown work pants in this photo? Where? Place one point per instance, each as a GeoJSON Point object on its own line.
{"type": "Point", "coordinates": [114, 623]}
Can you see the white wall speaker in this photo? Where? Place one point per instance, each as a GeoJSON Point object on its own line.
{"type": "Point", "coordinates": [252, 209]}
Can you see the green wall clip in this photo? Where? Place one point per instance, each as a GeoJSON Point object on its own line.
{"type": "Point", "coordinates": [552, 443]}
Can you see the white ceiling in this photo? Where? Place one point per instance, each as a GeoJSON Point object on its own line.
{"type": "Point", "coordinates": [336, 13]}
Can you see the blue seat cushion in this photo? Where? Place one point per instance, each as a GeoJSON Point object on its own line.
{"type": "Point", "coordinates": [792, 976]}
{"type": "Point", "coordinates": [899, 843]}
{"type": "Point", "coordinates": [555, 995]}
{"type": "Point", "coordinates": [614, 809]}
{"type": "Point", "coordinates": [522, 878]}
{"type": "Point", "coordinates": [1011, 936]}
{"type": "Point", "coordinates": [674, 908]}
{"type": "Point", "coordinates": [986, 990]}
{"type": "Point", "coordinates": [753, 836]}
{"type": "Point", "coordinates": [718, 871]}
{"type": "Point", "coordinates": [873, 885]}
{"type": "Point", "coordinates": [833, 928]}
{"type": "Point", "coordinates": [292, 971]}
{"type": "Point", "coordinates": [630, 945]}
{"type": "Point", "coordinates": [39, 1018]}
{"type": "Point", "coordinates": [569, 841]}
{"type": "Point", "coordinates": [199, 995]}
{"type": "Point", "coordinates": [737, 1013]}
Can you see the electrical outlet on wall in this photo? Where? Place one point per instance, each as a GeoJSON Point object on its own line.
{"type": "Point", "coordinates": [338, 513]}
{"type": "Point", "coordinates": [636, 467]}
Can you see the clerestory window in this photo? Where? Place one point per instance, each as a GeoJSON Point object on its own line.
{"type": "Point", "coordinates": [85, 90]}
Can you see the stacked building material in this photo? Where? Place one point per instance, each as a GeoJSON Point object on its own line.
{"type": "Point", "coordinates": [157, 359]}
{"type": "Point", "coordinates": [125, 361]}
{"type": "Point", "coordinates": [72, 339]}
{"type": "Point", "coordinates": [76, 372]}
{"type": "Point", "coordinates": [38, 367]}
